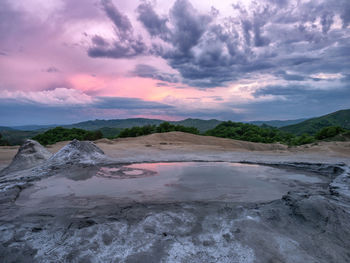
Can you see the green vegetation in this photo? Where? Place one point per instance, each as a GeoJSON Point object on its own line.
{"type": "Point", "coordinates": [168, 127]}
{"type": "Point", "coordinates": [277, 123]}
{"type": "Point", "coordinates": [250, 132]}
{"type": "Point", "coordinates": [312, 126]}
{"type": "Point", "coordinates": [149, 129]}
{"type": "Point", "coordinates": [229, 129]}
{"type": "Point", "coordinates": [329, 132]}
{"type": "Point", "coordinates": [120, 124]}
{"type": "Point", "coordinates": [3, 142]}
{"type": "Point", "coordinates": [110, 133]}
{"type": "Point", "coordinates": [232, 130]}
{"type": "Point", "coordinates": [4, 128]}
{"type": "Point", "coordinates": [15, 137]}
{"type": "Point", "coordinates": [61, 134]}
{"type": "Point", "coordinates": [267, 134]}
{"type": "Point", "coordinates": [201, 125]}
{"type": "Point", "coordinates": [334, 126]}
{"type": "Point", "coordinates": [137, 131]}
{"type": "Point", "coordinates": [300, 140]}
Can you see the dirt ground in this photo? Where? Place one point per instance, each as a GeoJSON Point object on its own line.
{"type": "Point", "coordinates": [179, 142]}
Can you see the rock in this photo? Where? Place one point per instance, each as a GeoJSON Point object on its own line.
{"type": "Point", "coordinates": [77, 152]}
{"type": "Point", "coordinates": [29, 155]}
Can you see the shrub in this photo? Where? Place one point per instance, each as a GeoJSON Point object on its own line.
{"type": "Point", "coordinates": [329, 132]}
{"type": "Point", "coordinates": [303, 139]}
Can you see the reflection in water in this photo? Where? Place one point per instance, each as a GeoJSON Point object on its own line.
{"type": "Point", "coordinates": [123, 172]}
{"type": "Point", "coordinates": [168, 182]}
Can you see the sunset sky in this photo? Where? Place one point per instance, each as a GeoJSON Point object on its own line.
{"type": "Point", "coordinates": [64, 61]}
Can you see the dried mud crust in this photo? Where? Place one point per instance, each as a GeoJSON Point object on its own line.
{"type": "Point", "coordinates": [298, 228]}
{"type": "Point", "coordinates": [310, 226]}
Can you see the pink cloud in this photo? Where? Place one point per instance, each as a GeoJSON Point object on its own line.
{"type": "Point", "coordinates": [56, 97]}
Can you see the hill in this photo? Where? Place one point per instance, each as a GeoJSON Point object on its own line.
{"type": "Point", "coordinates": [201, 125]}
{"type": "Point", "coordinates": [277, 123]}
{"type": "Point", "coordinates": [4, 128]}
{"type": "Point", "coordinates": [34, 127]}
{"type": "Point", "coordinates": [112, 128]}
{"type": "Point", "coordinates": [16, 137]}
{"type": "Point", "coordinates": [312, 126]}
{"type": "Point", "coordinates": [117, 123]}
{"type": "Point", "coordinates": [109, 128]}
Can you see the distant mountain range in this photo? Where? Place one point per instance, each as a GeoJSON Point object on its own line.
{"type": "Point", "coordinates": [15, 137]}
{"type": "Point", "coordinates": [277, 123]}
{"type": "Point", "coordinates": [32, 127]}
{"type": "Point", "coordinates": [111, 128]}
{"type": "Point", "coordinates": [201, 125]}
{"type": "Point", "coordinates": [4, 128]}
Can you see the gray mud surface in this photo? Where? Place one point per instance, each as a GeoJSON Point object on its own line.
{"type": "Point", "coordinates": [304, 217]}
{"type": "Point", "coordinates": [172, 182]}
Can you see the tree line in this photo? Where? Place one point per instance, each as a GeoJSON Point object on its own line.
{"type": "Point", "coordinates": [228, 129]}
{"type": "Point", "coordinates": [149, 129]}
{"type": "Point", "coordinates": [3, 142]}
{"type": "Point", "coordinates": [62, 134]}
{"type": "Point", "coordinates": [241, 131]}
{"type": "Point", "coordinates": [268, 134]}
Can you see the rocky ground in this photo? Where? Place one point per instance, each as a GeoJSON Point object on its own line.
{"type": "Point", "coordinates": [309, 225]}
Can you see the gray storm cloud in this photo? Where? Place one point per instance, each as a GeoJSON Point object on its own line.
{"type": "Point", "coordinates": [208, 51]}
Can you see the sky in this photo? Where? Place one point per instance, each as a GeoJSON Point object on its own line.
{"type": "Point", "coordinates": [65, 61]}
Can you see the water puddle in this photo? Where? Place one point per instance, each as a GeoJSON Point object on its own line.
{"type": "Point", "coordinates": [173, 182]}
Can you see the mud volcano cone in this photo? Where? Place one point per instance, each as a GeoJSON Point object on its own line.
{"type": "Point", "coordinates": [78, 152]}
{"type": "Point", "coordinates": [29, 155]}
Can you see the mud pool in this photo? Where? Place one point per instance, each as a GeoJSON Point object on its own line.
{"type": "Point", "coordinates": [80, 205]}
{"type": "Point", "coordinates": [172, 182]}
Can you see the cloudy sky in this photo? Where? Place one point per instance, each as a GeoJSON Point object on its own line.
{"type": "Point", "coordinates": [63, 61]}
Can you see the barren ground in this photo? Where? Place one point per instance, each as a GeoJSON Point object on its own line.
{"type": "Point", "coordinates": [156, 146]}
{"type": "Point", "coordinates": [308, 224]}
